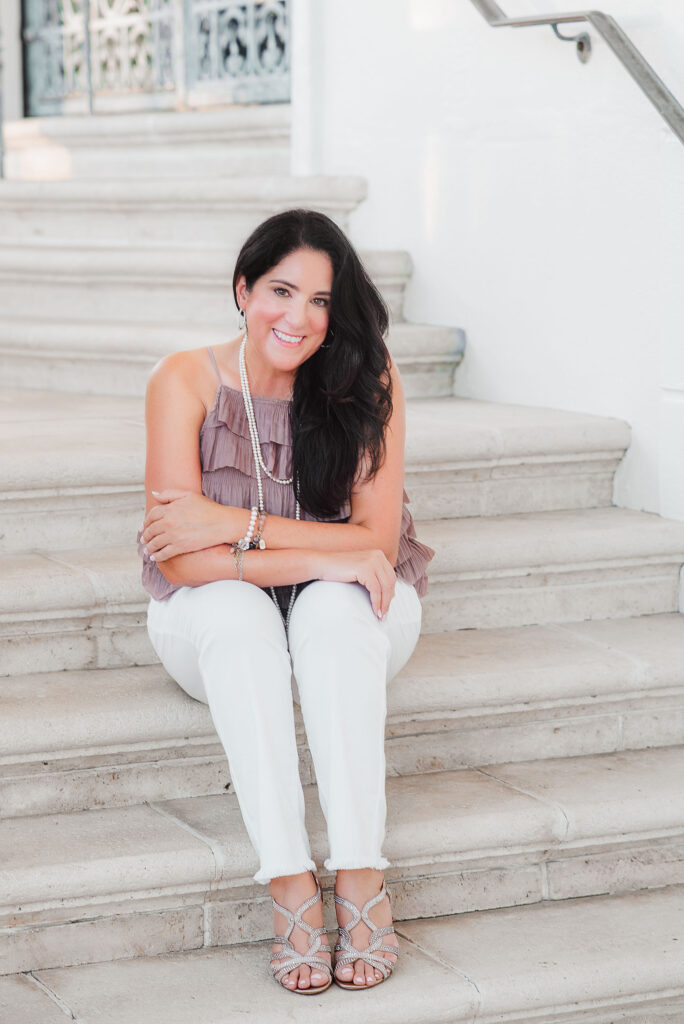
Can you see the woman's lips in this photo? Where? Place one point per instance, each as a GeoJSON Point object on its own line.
{"type": "Point", "coordinates": [291, 340]}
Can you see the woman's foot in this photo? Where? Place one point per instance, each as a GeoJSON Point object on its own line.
{"type": "Point", "coordinates": [359, 886]}
{"type": "Point", "coordinates": [291, 891]}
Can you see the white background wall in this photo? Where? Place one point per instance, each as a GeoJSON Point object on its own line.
{"type": "Point", "coordinates": [541, 199]}
{"type": "Point", "coordinates": [10, 32]}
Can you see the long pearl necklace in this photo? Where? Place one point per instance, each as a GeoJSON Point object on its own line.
{"type": "Point", "coordinates": [259, 463]}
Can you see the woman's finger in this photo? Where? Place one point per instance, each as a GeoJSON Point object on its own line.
{"type": "Point", "coordinates": [384, 593]}
{"type": "Point", "coordinates": [164, 498]}
{"type": "Point", "coordinates": [386, 597]}
{"type": "Point", "coordinates": [157, 529]}
{"type": "Point", "coordinates": [388, 583]}
{"type": "Point", "coordinates": [384, 601]}
{"type": "Point", "coordinates": [156, 513]}
{"type": "Point", "coordinates": [159, 534]}
{"type": "Point", "coordinates": [391, 586]}
{"type": "Point", "coordinates": [168, 551]}
{"type": "Point", "coordinates": [372, 585]}
{"type": "Point", "coordinates": [169, 495]}
{"type": "Point", "coordinates": [154, 544]}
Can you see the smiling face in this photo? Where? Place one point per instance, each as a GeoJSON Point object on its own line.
{"type": "Point", "coordinates": [287, 311]}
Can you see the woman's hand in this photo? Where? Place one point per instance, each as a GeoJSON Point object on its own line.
{"type": "Point", "coordinates": [185, 521]}
{"type": "Point", "coordinates": [370, 568]}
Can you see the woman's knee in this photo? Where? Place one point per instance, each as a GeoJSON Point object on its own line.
{"type": "Point", "coordinates": [326, 605]}
{"type": "Point", "coordinates": [229, 610]}
{"type": "Point", "coordinates": [336, 620]}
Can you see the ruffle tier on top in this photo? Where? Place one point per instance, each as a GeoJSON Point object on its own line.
{"type": "Point", "coordinates": [228, 478]}
{"type": "Point", "coordinates": [228, 463]}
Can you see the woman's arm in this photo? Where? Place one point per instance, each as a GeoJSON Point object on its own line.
{"type": "Point", "coordinates": [288, 566]}
{"type": "Point", "coordinates": [174, 415]}
{"type": "Point", "coordinates": [184, 522]}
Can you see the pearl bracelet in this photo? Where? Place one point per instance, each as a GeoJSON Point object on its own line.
{"type": "Point", "coordinates": [258, 540]}
{"type": "Point", "coordinates": [246, 541]}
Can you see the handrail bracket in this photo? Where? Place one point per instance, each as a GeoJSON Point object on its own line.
{"type": "Point", "coordinates": [583, 40]}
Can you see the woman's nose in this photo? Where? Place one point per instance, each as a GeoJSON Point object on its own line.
{"type": "Point", "coordinates": [297, 315]}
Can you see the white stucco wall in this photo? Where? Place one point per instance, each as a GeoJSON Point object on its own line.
{"type": "Point", "coordinates": [10, 37]}
{"type": "Point", "coordinates": [541, 199]}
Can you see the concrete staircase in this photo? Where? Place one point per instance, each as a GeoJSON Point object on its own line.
{"type": "Point", "coordinates": [232, 141]}
{"type": "Point", "coordinates": [535, 742]}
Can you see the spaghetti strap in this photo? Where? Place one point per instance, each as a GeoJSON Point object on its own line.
{"type": "Point", "coordinates": [215, 364]}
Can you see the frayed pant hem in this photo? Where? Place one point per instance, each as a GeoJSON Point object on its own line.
{"type": "Point", "coordinates": [377, 863]}
{"type": "Point", "coordinates": [263, 876]}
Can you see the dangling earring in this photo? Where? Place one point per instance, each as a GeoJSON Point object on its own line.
{"type": "Point", "coordinates": [242, 320]}
{"type": "Point", "coordinates": [331, 338]}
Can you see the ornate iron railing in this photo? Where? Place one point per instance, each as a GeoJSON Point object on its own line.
{"type": "Point", "coordinates": [624, 49]}
{"type": "Point", "coordinates": [145, 54]}
{"type": "Point", "coordinates": [244, 42]}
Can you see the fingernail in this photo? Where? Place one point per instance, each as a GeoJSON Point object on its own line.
{"type": "Point", "coordinates": [153, 558]}
{"type": "Point", "coordinates": [145, 551]}
{"type": "Point", "coordinates": [156, 493]}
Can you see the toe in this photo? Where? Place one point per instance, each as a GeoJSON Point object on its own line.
{"type": "Point", "coordinates": [359, 972]}
{"type": "Point", "coordinates": [345, 973]}
{"type": "Point", "coordinates": [318, 978]}
{"type": "Point", "coordinates": [289, 980]}
{"type": "Point", "coordinates": [304, 976]}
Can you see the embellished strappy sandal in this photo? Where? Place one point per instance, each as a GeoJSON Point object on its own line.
{"type": "Point", "coordinates": [292, 958]}
{"type": "Point", "coordinates": [370, 954]}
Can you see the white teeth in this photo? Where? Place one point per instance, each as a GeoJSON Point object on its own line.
{"type": "Point", "coordinates": [289, 339]}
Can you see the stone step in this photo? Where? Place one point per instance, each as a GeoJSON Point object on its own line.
{"type": "Point", "coordinates": [115, 359]}
{"type": "Point", "coordinates": [559, 566]}
{"type": "Point", "coordinates": [86, 608]}
{"type": "Point", "coordinates": [214, 212]}
{"type": "Point", "coordinates": [140, 287]}
{"type": "Point", "coordinates": [586, 961]}
{"type": "Point", "coordinates": [232, 141]}
{"type": "Point", "coordinates": [120, 882]}
{"type": "Point", "coordinates": [114, 737]}
{"type": "Point", "coordinates": [463, 458]}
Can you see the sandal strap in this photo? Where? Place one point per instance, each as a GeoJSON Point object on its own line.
{"type": "Point", "coordinates": [370, 954]}
{"type": "Point", "coordinates": [294, 958]}
{"type": "Point", "coordinates": [296, 917]}
{"type": "Point", "coordinates": [325, 946]}
{"type": "Point", "coordinates": [379, 962]}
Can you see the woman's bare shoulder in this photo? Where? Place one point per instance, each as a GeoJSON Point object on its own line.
{"type": "Point", "coordinates": [398, 398]}
{"type": "Point", "coordinates": [188, 373]}
{"type": "Point", "coordinates": [186, 365]}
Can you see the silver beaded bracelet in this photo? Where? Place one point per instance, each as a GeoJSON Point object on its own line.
{"type": "Point", "coordinates": [238, 555]}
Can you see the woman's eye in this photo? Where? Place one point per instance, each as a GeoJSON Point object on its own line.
{"type": "Point", "coordinates": [281, 291]}
{"type": "Point", "coordinates": [321, 302]}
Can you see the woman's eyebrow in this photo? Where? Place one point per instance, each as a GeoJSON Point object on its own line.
{"type": "Point", "coordinates": [288, 284]}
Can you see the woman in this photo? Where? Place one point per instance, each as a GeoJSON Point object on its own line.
{"type": "Point", "coordinates": [277, 542]}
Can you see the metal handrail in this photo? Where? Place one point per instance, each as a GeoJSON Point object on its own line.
{"type": "Point", "coordinates": [624, 49]}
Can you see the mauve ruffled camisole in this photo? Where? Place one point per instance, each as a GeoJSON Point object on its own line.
{"type": "Point", "coordinates": [228, 478]}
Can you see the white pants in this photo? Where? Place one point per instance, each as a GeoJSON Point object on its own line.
{"type": "Point", "coordinates": [225, 644]}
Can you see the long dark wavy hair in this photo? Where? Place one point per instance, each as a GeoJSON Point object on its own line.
{"type": "Point", "coordinates": [342, 395]}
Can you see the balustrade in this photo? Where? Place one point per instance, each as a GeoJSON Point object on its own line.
{"type": "Point", "coordinates": [105, 55]}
